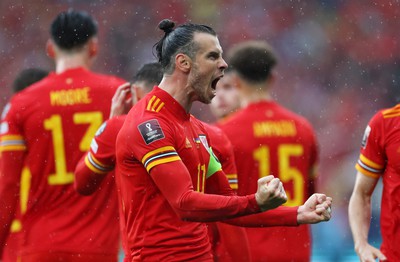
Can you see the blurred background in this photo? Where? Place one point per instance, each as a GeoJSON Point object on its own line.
{"type": "Point", "coordinates": [338, 64]}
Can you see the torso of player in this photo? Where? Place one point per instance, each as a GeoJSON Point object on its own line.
{"type": "Point", "coordinates": [149, 216]}
{"type": "Point", "coordinates": [381, 153]}
{"type": "Point", "coordinates": [268, 139]}
{"type": "Point", "coordinates": [56, 119]}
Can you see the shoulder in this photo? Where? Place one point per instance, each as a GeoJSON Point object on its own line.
{"type": "Point", "coordinates": [116, 121]}
{"type": "Point", "coordinates": [111, 126]}
{"type": "Point", "coordinates": [213, 130]}
{"type": "Point", "coordinates": [107, 77]}
{"type": "Point", "coordinates": [388, 113]}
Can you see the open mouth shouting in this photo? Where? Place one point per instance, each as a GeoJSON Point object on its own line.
{"type": "Point", "coordinates": [214, 83]}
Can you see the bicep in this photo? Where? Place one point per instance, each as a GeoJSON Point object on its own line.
{"type": "Point", "coordinates": [173, 180]}
{"type": "Point", "coordinates": [364, 185]}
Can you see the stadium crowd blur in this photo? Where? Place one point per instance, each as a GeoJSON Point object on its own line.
{"type": "Point", "coordinates": [339, 64]}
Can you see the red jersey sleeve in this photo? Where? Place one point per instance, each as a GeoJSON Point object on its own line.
{"type": "Point", "coordinates": [100, 160]}
{"type": "Point", "coordinates": [222, 148]}
{"type": "Point", "coordinates": [156, 149]}
{"type": "Point", "coordinates": [372, 157]}
{"type": "Point", "coordinates": [12, 148]}
{"type": "Point", "coordinates": [281, 216]}
{"type": "Point", "coordinates": [196, 206]}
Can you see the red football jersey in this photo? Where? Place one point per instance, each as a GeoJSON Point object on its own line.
{"type": "Point", "coordinates": [101, 160]}
{"type": "Point", "coordinates": [101, 156]}
{"type": "Point", "coordinates": [164, 165]}
{"type": "Point", "coordinates": [53, 122]}
{"type": "Point", "coordinates": [222, 149]}
{"type": "Point", "coordinates": [225, 238]}
{"type": "Point", "coordinates": [380, 158]}
{"type": "Point", "coordinates": [269, 139]}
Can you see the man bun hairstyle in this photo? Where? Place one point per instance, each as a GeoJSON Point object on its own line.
{"type": "Point", "coordinates": [177, 40]}
{"type": "Point", "coordinates": [167, 26]}
{"type": "Point", "coordinates": [72, 29]}
{"type": "Point", "coordinates": [252, 60]}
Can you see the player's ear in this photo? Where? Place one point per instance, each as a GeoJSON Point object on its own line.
{"type": "Point", "coordinates": [50, 49]}
{"type": "Point", "coordinates": [93, 45]}
{"type": "Point", "coordinates": [272, 78]}
{"type": "Point", "coordinates": [236, 81]}
{"type": "Point", "coordinates": [183, 62]}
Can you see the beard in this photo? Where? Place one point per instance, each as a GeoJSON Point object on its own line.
{"type": "Point", "coordinates": [199, 83]}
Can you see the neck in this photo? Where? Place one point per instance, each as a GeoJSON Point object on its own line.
{"type": "Point", "coordinates": [254, 94]}
{"type": "Point", "coordinates": [69, 61]}
{"type": "Point", "coordinates": [177, 87]}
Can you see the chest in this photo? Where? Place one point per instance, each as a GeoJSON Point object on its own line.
{"type": "Point", "coordinates": [193, 149]}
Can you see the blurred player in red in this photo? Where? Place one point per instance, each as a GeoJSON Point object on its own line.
{"type": "Point", "coordinates": [99, 162]}
{"type": "Point", "coordinates": [379, 159]}
{"type": "Point", "coordinates": [226, 238]}
{"type": "Point", "coordinates": [169, 180]}
{"type": "Point", "coordinates": [227, 99]}
{"type": "Point", "coordinates": [269, 139]}
{"type": "Point", "coordinates": [47, 128]}
{"type": "Point", "coordinates": [24, 79]}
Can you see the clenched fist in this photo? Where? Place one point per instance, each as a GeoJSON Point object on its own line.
{"type": "Point", "coordinates": [270, 193]}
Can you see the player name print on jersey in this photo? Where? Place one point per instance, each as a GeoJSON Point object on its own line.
{"type": "Point", "coordinates": [151, 131]}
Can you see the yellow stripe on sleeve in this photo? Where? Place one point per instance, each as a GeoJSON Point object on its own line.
{"type": "Point", "coordinates": [370, 163]}
{"type": "Point", "coordinates": [12, 137]}
{"type": "Point", "coordinates": [231, 176]}
{"type": "Point", "coordinates": [162, 161]}
{"type": "Point", "coordinates": [93, 168]}
{"type": "Point", "coordinates": [366, 172]}
{"type": "Point", "coordinates": [159, 107]}
{"type": "Point", "coordinates": [149, 105]}
{"type": "Point", "coordinates": [12, 143]}
{"type": "Point", "coordinates": [156, 151]}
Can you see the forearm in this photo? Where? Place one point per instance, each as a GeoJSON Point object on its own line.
{"type": "Point", "coordinates": [175, 183]}
{"type": "Point", "coordinates": [8, 203]}
{"type": "Point", "coordinates": [87, 181]}
{"type": "Point", "coordinates": [359, 218]}
{"type": "Point", "coordinates": [10, 175]}
{"type": "Point", "coordinates": [281, 216]}
{"type": "Point", "coordinates": [195, 206]}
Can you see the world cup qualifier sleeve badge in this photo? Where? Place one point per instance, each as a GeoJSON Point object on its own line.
{"type": "Point", "coordinates": [151, 131]}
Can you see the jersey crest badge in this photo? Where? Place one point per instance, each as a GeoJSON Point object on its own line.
{"type": "Point", "coordinates": [203, 140]}
{"type": "Point", "coordinates": [151, 131]}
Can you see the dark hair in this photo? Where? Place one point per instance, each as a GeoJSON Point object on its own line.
{"type": "Point", "coordinates": [178, 40]}
{"type": "Point", "coordinates": [28, 77]}
{"type": "Point", "coordinates": [72, 29]}
{"type": "Point", "coordinates": [150, 73]}
{"type": "Point", "coordinates": [252, 60]}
